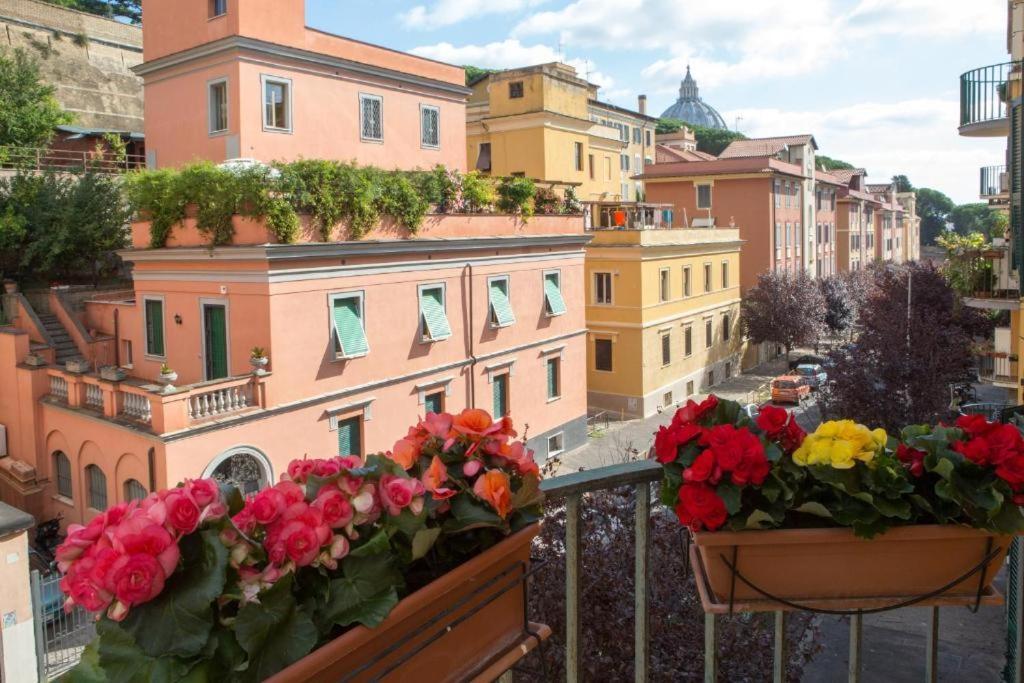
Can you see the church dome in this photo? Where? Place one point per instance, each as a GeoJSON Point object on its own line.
{"type": "Point", "coordinates": [692, 109]}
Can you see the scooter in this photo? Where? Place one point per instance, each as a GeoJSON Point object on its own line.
{"type": "Point", "coordinates": [47, 537]}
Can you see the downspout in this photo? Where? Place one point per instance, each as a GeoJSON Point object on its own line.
{"type": "Point", "coordinates": [152, 469]}
{"type": "Point", "coordinates": [471, 329]}
{"type": "Point", "coordinates": [117, 339]}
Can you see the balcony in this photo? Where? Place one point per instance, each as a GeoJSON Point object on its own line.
{"type": "Point", "coordinates": [998, 369]}
{"type": "Point", "coordinates": [984, 93]}
{"type": "Point", "coordinates": [995, 183]}
{"type": "Point", "coordinates": [632, 216]}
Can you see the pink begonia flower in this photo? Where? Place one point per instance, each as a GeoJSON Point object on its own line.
{"type": "Point", "coordinates": [267, 506]}
{"type": "Point", "coordinates": [137, 578]}
{"type": "Point", "coordinates": [472, 467]}
{"type": "Point", "coordinates": [182, 511]}
{"type": "Point", "coordinates": [334, 505]}
{"type": "Point", "coordinates": [398, 493]}
{"type": "Point", "coordinates": [204, 491]}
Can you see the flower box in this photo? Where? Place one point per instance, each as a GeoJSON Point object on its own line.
{"type": "Point", "coordinates": [454, 628]}
{"type": "Point", "coordinates": [834, 566]}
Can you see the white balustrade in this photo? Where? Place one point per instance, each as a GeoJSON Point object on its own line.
{"type": "Point", "coordinates": [217, 402]}
{"type": "Point", "coordinates": [137, 406]}
{"type": "Point", "coordinates": [59, 387]}
{"type": "Point", "coordinates": [94, 396]}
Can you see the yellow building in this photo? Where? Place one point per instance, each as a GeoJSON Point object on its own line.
{"type": "Point", "coordinates": [546, 123]}
{"type": "Point", "coordinates": [663, 310]}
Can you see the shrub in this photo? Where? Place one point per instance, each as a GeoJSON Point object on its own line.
{"type": "Point", "coordinates": [478, 192]}
{"type": "Point", "coordinates": [546, 202]}
{"type": "Point", "coordinates": [515, 196]}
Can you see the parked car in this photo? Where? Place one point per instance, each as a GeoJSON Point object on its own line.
{"type": "Point", "coordinates": [806, 360]}
{"type": "Point", "coordinates": [789, 389]}
{"type": "Point", "coordinates": [813, 375]}
{"type": "Point", "coordinates": [752, 410]}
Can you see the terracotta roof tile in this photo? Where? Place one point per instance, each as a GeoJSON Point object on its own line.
{"type": "Point", "coordinates": [685, 155]}
{"type": "Point", "coordinates": [761, 147]}
{"type": "Point", "coordinates": [722, 167]}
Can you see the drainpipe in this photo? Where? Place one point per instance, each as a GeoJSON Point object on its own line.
{"type": "Point", "coordinates": [470, 330]}
{"type": "Point", "coordinates": [117, 339]}
{"type": "Point", "coordinates": [152, 470]}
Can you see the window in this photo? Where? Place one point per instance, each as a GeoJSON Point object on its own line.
{"type": "Point", "coordinates": [371, 118]}
{"type": "Point", "coordinates": [277, 104]}
{"type": "Point", "coordinates": [711, 378]}
{"type": "Point", "coordinates": [218, 8]}
{"type": "Point", "coordinates": [709, 333]}
{"type": "Point", "coordinates": [433, 319]}
{"type": "Point", "coordinates": [725, 274]}
{"type": "Point", "coordinates": [577, 149]}
{"type": "Point", "coordinates": [703, 196]}
{"type": "Point", "coordinates": [623, 162]}
{"type": "Point", "coordinates": [434, 403]}
{"type": "Point", "coordinates": [707, 277]}
{"type": "Point", "coordinates": [62, 474]}
{"type": "Point", "coordinates": [350, 436]}
{"type": "Point", "coordinates": [499, 387]}
{"type": "Point", "coordinates": [430, 126]}
{"type": "Point", "coordinates": [554, 376]}
{"type": "Point", "coordinates": [648, 137]}
{"type": "Point", "coordinates": [728, 370]}
{"type": "Point", "coordinates": [625, 192]}
{"type": "Point", "coordinates": [608, 168]}
{"type": "Point", "coordinates": [603, 288]}
{"type": "Point", "coordinates": [97, 483]}
{"type": "Point", "coordinates": [515, 90]}
{"type": "Point", "coordinates": [688, 342]}
{"type": "Point", "coordinates": [590, 165]}
{"type": "Point", "coordinates": [666, 348]}
{"type": "Point", "coordinates": [687, 290]}
{"type": "Point", "coordinates": [217, 99]}
{"type": "Point", "coordinates": [689, 388]}
{"type": "Point", "coordinates": [154, 312]}
{"type": "Point", "coordinates": [726, 327]}
{"type": "Point", "coordinates": [778, 235]}
{"type": "Point", "coordinates": [556, 444]}
{"type": "Point", "coordinates": [664, 285]}
{"type": "Point", "coordinates": [789, 235]}
{"type": "Point", "coordinates": [134, 490]}
{"type": "Point", "coordinates": [500, 306]}
{"type": "Point", "coordinates": [818, 231]}
{"type": "Point", "coordinates": [638, 136]}
{"type": "Point", "coordinates": [483, 160]}
{"type": "Point", "coordinates": [778, 194]}
{"type": "Point", "coordinates": [554, 302]}
{"type": "Point", "coordinates": [666, 399]}
{"type": "Point", "coordinates": [603, 355]}
{"type": "Point", "coordinates": [348, 325]}
{"type": "Point", "coordinates": [625, 133]}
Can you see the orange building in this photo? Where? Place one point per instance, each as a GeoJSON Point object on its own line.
{"type": "Point", "coordinates": [856, 217]}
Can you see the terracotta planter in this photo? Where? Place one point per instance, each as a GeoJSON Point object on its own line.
{"type": "Point", "coordinates": [834, 565]}
{"type": "Point", "coordinates": [486, 624]}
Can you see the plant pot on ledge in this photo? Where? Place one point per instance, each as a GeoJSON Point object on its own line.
{"type": "Point", "coordinates": [470, 622]}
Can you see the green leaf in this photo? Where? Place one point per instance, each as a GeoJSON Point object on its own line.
{"type": "Point", "coordinates": [378, 543]}
{"type": "Point", "coordinates": [232, 497]}
{"type": "Point", "coordinates": [814, 508]}
{"type": "Point", "coordinates": [731, 495]}
{"type": "Point", "coordinates": [122, 660]}
{"type": "Point", "coordinates": [88, 669]}
{"type": "Point", "coordinates": [759, 519]}
{"type": "Point", "coordinates": [184, 610]}
{"type": "Point", "coordinates": [275, 632]}
{"type": "Point", "coordinates": [406, 522]}
{"type": "Point", "coordinates": [528, 494]}
{"type": "Point", "coordinates": [366, 593]}
{"type": "Point", "coordinates": [470, 513]}
{"type": "Point", "coordinates": [773, 452]}
{"type": "Point", "coordinates": [423, 541]}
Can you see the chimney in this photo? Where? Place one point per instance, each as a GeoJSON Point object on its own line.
{"type": "Point", "coordinates": [642, 104]}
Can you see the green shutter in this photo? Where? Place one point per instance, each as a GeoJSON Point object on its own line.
{"type": "Point", "coordinates": [435, 322]}
{"type": "Point", "coordinates": [350, 438]}
{"type": "Point", "coordinates": [348, 327]}
{"type": "Point", "coordinates": [216, 342]}
{"type": "Point", "coordinates": [553, 377]}
{"type": "Point", "coordinates": [500, 390]}
{"type": "Point", "coordinates": [501, 307]}
{"type": "Point", "coordinates": [432, 403]}
{"type": "Point", "coordinates": [553, 295]}
{"type": "Point", "coordinates": [154, 327]}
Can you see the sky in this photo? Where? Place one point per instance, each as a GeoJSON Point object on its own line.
{"type": "Point", "coordinates": [875, 81]}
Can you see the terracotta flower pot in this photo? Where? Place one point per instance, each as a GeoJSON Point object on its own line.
{"type": "Point", "coordinates": [835, 566]}
{"type": "Point", "coordinates": [466, 622]}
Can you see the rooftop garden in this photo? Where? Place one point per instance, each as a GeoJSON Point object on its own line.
{"type": "Point", "coordinates": [334, 194]}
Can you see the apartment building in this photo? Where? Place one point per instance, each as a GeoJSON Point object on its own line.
{"type": "Point", "coordinates": [856, 210]}
{"type": "Point", "coordinates": [663, 316]}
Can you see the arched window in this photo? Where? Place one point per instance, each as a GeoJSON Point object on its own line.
{"type": "Point", "coordinates": [134, 490]}
{"type": "Point", "coordinates": [97, 483]}
{"type": "Point", "coordinates": [62, 474]}
{"type": "Point", "coordinates": [247, 470]}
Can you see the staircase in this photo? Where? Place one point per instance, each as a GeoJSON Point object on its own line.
{"type": "Point", "coordinates": [63, 347]}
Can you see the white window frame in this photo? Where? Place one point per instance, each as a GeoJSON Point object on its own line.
{"type": "Point", "coordinates": [265, 80]}
{"type": "Point", "coordinates": [424, 338]}
{"type": "Point", "coordinates": [709, 277]}
{"type": "Point", "coordinates": [609, 290]}
{"type": "Point", "coordinates": [561, 442]}
{"type": "Point", "coordinates": [423, 108]}
{"type": "Point", "coordinates": [163, 326]}
{"type": "Point", "coordinates": [697, 188]}
{"type": "Point", "coordinates": [664, 285]}
{"type": "Point", "coordinates": [557, 272]}
{"type": "Point", "coordinates": [557, 358]}
{"type": "Point", "coordinates": [687, 282]}
{"type": "Point", "coordinates": [494, 325]}
{"type": "Point", "coordinates": [227, 107]}
{"type": "Point", "coordinates": [663, 346]}
{"type": "Point", "coordinates": [213, 9]}
{"type": "Point", "coordinates": [339, 354]}
{"type": "Point", "coordinates": [725, 274]}
{"type": "Point", "coordinates": [363, 96]}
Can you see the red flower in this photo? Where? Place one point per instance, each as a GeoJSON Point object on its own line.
{"type": "Point", "coordinates": [137, 578]}
{"type": "Point", "coordinates": [1011, 471]}
{"type": "Point", "coordinates": [182, 511]}
{"type": "Point", "coordinates": [975, 425]}
{"type": "Point", "coordinates": [699, 506]}
{"type": "Point", "coordinates": [695, 412]}
{"type": "Point", "coordinates": [772, 420]}
{"type": "Point", "coordinates": [704, 468]}
{"type": "Point", "coordinates": [668, 440]}
{"type": "Point", "coordinates": [739, 452]}
{"type": "Point", "coordinates": [911, 458]}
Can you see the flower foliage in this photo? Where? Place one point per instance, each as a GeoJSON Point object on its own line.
{"type": "Point", "coordinates": [197, 581]}
{"type": "Point", "coordinates": [724, 470]}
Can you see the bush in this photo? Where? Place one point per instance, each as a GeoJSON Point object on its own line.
{"type": "Point", "coordinates": [546, 202]}
{"type": "Point", "coordinates": [478, 192]}
{"type": "Point", "coordinates": [515, 196]}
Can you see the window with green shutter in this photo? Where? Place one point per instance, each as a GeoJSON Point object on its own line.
{"type": "Point", "coordinates": [349, 332]}
{"type": "Point", "coordinates": [433, 319]}
{"type": "Point", "coordinates": [554, 303]}
{"type": "Point", "coordinates": [154, 327]}
{"type": "Point", "coordinates": [554, 377]}
{"type": "Point", "coordinates": [350, 436]}
{"type": "Point", "coordinates": [501, 306]}
{"type": "Point", "coordinates": [434, 403]}
{"type": "Point", "coordinates": [499, 387]}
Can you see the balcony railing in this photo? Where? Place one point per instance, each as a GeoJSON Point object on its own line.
{"type": "Point", "coordinates": [984, 93]}
{"type": "Point", "coordinates": [42, 159]}
{"type": "Point", "coordinates": [994, 181]}
{"type": "Point", "coordinates": [998, 369]}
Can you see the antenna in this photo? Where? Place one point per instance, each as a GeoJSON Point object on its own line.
{"type": "Point", "coordinates": [561, 55]}
{"type": "Point", "coordinates": [737, 125]}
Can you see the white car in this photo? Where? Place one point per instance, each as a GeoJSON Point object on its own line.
{"type": "Point", "coordinates": [813, 376]}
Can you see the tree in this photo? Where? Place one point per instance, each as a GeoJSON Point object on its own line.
{"type": "Point", "coordinates": [783, 308]}
{"type": "Point", "coordinates": [934, 208]}
{"type": "Point", "coordinates": [902, 183]}
{"type": "Point", "coordinates": [840, 308]}
{"type": "Point", "coordinates": [29, 112]}
{"type": "Point", "coordinates": [900, 370]}
{"type": "Point", "coordinates": [475, 72]}
{"type": "Point", "coordinates": [966, 269]}
{"type": "Point", "coordinates": [127, 10]}
{"type": "Point", "coordinates": [977, 218]}
{"type": "Point", "coordinates": [829, 164]}
{"type": "Point", "coordinates": [710, 140]}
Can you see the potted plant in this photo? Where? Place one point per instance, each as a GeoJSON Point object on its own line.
{"type": "Point", "coordinates": [846, 516]}
{"type": "Point", "coordinates": [77, 365]}
{"type": "Point", "coordinates": [408, 561]}
{"type": "Point", "coordinates": [168, 377]}
{"type": "Point", "coordinates": [258, 360]}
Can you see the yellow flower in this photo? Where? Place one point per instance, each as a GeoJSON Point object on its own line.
{"type": "Point", "coordinates": [840, 444]}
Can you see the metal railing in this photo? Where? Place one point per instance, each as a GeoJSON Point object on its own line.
{"type": "Point", "coordinates": [983, 93]}
{"type": "Point", "coordinates": [43, 159]}
{"type": "Point", "coordinates": [60, 636]}
{"type": "Point", "coordinates": [997, 369]}
{"type": "Point", "coordinates": [994, 181]}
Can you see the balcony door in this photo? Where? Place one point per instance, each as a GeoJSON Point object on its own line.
{"type": "Point", "coordinates": [215, 340]}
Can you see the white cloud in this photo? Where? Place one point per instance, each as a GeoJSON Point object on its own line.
{"type": "Point", "coordinates": [912, 137]}
{"type": "Point", "coordinates": [448, 12]}
{"type": "Point", "coordinates": [925, 18]}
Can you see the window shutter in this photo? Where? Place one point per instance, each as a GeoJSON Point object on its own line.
{"type": "Point", "coordinates": [553, 299]}
{"type": "Point", "coordinates": [154, 328]}
{"type": "Point", "coordinates": [349, 437]}
{"type": "Point", "coordinates": [348, 327]}
{"type": "Point", "coordinates": [500, 389]}
{"type": "Point", "coordinates": [501, 307]}
{"type": "Point", "coordinates": [435, 322]}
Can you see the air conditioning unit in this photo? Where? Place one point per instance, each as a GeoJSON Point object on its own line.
{"type": "Point", "coordinates": [3, 441]}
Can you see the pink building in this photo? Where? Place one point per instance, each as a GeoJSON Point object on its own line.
{"type": "Point", "coordinates": [247, 78]}
{"type": "Point", "coordinates": [363, 337]}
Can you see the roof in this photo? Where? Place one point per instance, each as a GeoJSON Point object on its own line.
{"type": "Point", "coordinates": [763, 147]}
{"type": "Point", "coordinates": [13, 520]}
{"type": "Point", "coordinates": [691, 109]}
{"type": "Point", "coordinates": [76, 132]}
{"type": "Point", "coordinates": [767, 165]}
{"type": "Point", "coordinates": [846, 174]}
{"type": "Point", "coordinates": [686, 154]}
{"type": "Point", "coordinates": [624, 110]}
{"type": "Point", "coordinates": [829, 178]}
{"type": "Point", "coordinates": [879, 188]}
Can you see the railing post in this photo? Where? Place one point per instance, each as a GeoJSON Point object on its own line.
{"type": "Point", "coordinates": [779, 656]}
{"type": "Point", "coordinates": [931, 662]}
{"type": "Point", "coordinates": [856, 624]}
{"type": "Point", "coordinates": [37, 624]}
{"type": "Point", "coordinates": [573, 567]}
{"type": "Point", "coordinates": [642, 553]}
{"type": "Point", "coordinates": [710, 650]}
